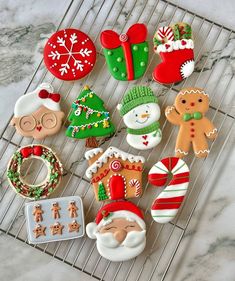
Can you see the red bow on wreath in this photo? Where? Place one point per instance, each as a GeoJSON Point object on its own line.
{"type": "Point", "coordinates": [43, 94]}
{"type": "Point", "coordinates": [27, 151]}
{"type": "Point", "coordinates": [136, 34]}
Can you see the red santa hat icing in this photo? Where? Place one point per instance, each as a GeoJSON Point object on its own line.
{"type": "Point", "coordinates": [114, 210]}
{"type": "Point", "coordinates": [42, 96]}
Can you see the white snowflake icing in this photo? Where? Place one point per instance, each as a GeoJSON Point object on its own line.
{"type": "Point", "coordinates": [69, 52]}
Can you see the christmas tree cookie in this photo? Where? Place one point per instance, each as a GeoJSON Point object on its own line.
{"type": "Point", "coordinates": [89, 118]}
{"type": "Point", "coordinates": [175, 46]}
{"type": "Point", "coordinates": [126, 54]}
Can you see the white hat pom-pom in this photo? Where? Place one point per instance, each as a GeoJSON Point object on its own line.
{"type": "Point", "coordinates": [119, 106]}
{"type": "Point", "coordinates": [91, 230]}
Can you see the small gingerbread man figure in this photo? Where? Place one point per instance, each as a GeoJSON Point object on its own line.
{"type": "Point", "coordinates": [56, 228]}
{"type": "Point", "coordinates": [55, 210]}
{"type": "Point", "coordinates": [37, 212]}
{"type": "Point", "coordinates": [72, 209]}
{"type": "Point", "coordinates": [188, 112]}
{"type": "Point", "coordinates": [39, 230]}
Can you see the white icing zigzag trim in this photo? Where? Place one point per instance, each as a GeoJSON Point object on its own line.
{"type": "Point", "coordinates": [212, 132]}
{"type": "Point", "coordinates": [93, 152]}
{"type": "Point", "coordinates": [202, 151]}
{"type": "Point", "coordinates": [112, 152]}
{"type": "Point", "coordinates": [176, 45]}
{"type": "Point", "coordinates": [193, 92]}
{"type": "Point", "coordinates": [168, 111]}
{"type": "Point", "coordinates": [181, 151]}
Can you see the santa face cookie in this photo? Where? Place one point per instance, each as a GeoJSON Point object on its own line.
{"type": "Point", "coordinates": [69, 54]}
{"type": "Point", "coordinates": [188, 112]}
{"type": "Point", "coordinates": [38, 114]}
{"type": "Point", "coordinates": [175, 46]}
{"type": "Point", "coordinates": [126, 54]}
{"type": "Point", "coordinates": [119, 231]}
{"type": "Point", "coordinates": [141, 112]}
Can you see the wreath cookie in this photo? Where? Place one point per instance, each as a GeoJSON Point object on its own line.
{"type": "Point", "coordinates": [43, 189]}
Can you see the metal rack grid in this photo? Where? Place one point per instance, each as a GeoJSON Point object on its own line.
{"type": "Point", "coordinates": [214, 49]}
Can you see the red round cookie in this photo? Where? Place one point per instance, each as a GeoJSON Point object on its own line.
{"type": "Point", "coordinates": [69, 54]}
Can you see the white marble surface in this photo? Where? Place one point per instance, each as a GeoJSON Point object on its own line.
{"type": "Point", "coordinates": [206, 252]}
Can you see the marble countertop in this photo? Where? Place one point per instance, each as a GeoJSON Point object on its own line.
{"type": "Point", "coordinates": [206, 251]}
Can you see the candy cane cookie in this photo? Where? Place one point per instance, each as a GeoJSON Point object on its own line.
{"type": "Point", "coordinates": [166, 205]}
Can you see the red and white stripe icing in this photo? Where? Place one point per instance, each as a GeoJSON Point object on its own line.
{"type": "Point", "coordinates": [136, 183]}
{"type": "Point", "coordinates": [165, 32]}
{"type": "Point", "coordinates": [168, 202]}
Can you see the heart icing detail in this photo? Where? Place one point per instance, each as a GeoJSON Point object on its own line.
{"type": "Point", "coordinates": [183, 42]}
{"type": "Point", "coordinates": [145, 143]}
{"type": "Point", "coordinates": [144, 137]}
{"type": "Point", "coordinates": [39, 128]}
{"type": "Point", "coordinates": [167, 46]}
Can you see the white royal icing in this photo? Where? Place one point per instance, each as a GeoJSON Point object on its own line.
{"type": "Point", "coordinates": [110, 153]}
{"type": "Point", "coordinates": [175, 45]}
{"type": "Point", "coordinates": [181, 151]}
{"type": "Point", "coordinates": [169, 109]}
{"type": "Point", "coordinates": [93, 152]}
{"type": "Point", "coordinates": [212, 132]}
{"type": "Point", "coordinates": [193, 91]}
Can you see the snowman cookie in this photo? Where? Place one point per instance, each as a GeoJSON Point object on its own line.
{"type": "Point", "coordinates": [188, 112]}
{"type": "Point", "coordinates": [141, 112]}
{"type": "Point", "coordinates": [38, 114]}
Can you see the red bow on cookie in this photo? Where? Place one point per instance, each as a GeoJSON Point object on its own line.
{"type": "Point", "coordinates": [136, 34]}
{"type": "Point", "coordinates": [27, 151]}
{"type": "Point", "coordinates": [44, 94]}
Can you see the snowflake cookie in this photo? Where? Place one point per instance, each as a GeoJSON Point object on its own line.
{"type": "Point", "coordinates": [69, 54]}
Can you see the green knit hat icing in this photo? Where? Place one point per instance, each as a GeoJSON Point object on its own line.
{"type": "Point", "coordinates": [136, 96]}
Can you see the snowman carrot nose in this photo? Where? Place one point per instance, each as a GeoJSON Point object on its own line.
{"type": "Point", "coordinates": [144, 115]}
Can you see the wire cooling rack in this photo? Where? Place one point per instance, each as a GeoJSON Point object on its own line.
{"type": "Point", "coordinates": [214, 50]}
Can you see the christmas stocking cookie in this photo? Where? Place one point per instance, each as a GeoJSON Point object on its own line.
{"type": "Point", "coordinates": [141, 112]}
{"type": "Point", "coordinates": [126, 54]}
{"type": "Point", "coordinates": [175, 46]}
{"type": "Point", "coordinates": [119, 230]}
{"type": "Point", "coordinates": [188, 112]}
{"type": "Point", "coordinates": [89, 118]}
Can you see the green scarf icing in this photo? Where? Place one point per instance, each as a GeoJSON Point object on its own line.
{"type": "Point", "coordinates": [149, 129]}
{"type": "Point", "coordinates": [189, 116]}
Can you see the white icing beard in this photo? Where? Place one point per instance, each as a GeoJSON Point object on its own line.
{"type": "Point", "coordinates": [132, 246]}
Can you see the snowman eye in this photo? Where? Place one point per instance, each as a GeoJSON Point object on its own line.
{"type": "Point", "coordinates": [183, 101]}
{"type": "Point", "coordinates": [136, 115]}
{"type": "Point", "coordinates": [147, 111]}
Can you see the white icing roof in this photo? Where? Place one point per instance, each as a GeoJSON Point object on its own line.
{"type": "Point", "coordinates": [109, 153]}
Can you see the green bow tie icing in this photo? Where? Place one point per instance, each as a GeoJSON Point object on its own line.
{"type": "Point", "coordinates": [189, 116]}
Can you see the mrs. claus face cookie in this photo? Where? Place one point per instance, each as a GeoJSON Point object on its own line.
{"type": "Point", "coordinates": [38, 114]}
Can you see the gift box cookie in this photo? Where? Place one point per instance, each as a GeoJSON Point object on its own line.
{"type": "Point", "coordinates": [54, 219]}
{"type": "Point", "coordinates": [126, 54]}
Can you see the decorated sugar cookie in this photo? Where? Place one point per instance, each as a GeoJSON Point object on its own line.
{"type": "Point", "coordinates": [165, 207]}
{"type": "Point", "coordinates": [38, 114]}
{"type": "Point", "coordinates": [126, 54]}
{"type": "Point", "coordinates": [175, 46]}
{"type": "Point", "coordinates": [57, 223]}
{"type": "Point", "coordinates": [141, 112]}
{"type": "Point", "coordinates": [32, 191]}
{"type": "Point", "coordinates": [89, 118]}
{"type": "Point", "coordinates": [188, 112]}
{"type": "Point", "coordinates": [114, 174]}
{"type": "Point", "coordinates": [69, 54]}
{"type": "Point", "coordinates": [119, 230]}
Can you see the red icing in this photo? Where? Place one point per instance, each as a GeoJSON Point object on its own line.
{"type": "Point", "coordinates": [183, 42]}
{"type": "Point", "coordinates": [117, 187]}
{"type": "Point", "coordinates": [82, 54]}
{"type": "Point", "coordinates": [168, 71]}
{"type": "Point", "coordinates": [27, 151]}
{"type": "Point", "coordinates": [43, 94]}
{"type": "Point", "coordinates": [145, 143]}
{"type": "Point", "coordinates": [144, 137]}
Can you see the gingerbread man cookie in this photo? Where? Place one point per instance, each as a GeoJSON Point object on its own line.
{"type": "Point", "coordinates": [38, 114]}
{"type": "Point", "coordinates": [72, 209]}
{"type": "Point", "coordinates": [55, 210]}
{"type": "Point", "coordinates": [188, 112]}
{"type": "Point", "coordinates": [37, 212]}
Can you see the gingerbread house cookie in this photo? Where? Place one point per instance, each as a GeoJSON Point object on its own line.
{"type": "Point", "coordinates": [114, 173]}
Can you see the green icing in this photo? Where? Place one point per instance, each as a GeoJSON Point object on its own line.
{"type": "Point", "coordinates": [140, 54]}
{"type": "Point", "coordinates": [98, 130]}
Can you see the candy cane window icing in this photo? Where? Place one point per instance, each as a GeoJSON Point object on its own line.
{"type": "Point", "coordinates": [50, 183]}
{"type": "Point", "coordinates": [114, 174]}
